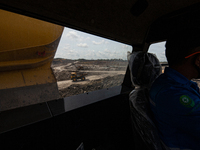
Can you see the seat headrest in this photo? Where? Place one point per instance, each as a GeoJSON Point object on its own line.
{"type": "Point", "coordinates": [144, 68]}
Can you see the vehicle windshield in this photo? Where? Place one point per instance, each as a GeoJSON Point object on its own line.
{"type": "Point", "coordinates": [85, 63]}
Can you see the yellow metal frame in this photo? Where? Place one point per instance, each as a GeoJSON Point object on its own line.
{"type": "Point", "coordinates": [27, 49]}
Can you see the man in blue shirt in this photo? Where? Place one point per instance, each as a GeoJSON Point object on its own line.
{"type": "Point", "coordinates": [175, 99]}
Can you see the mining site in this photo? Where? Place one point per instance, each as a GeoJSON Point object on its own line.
{"type": "Point", "coordinates": [88, 75]}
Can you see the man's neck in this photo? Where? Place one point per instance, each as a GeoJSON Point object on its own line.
{"type": "Point", "coordinates": [185, 70]}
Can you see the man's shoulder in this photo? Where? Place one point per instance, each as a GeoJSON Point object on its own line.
{"type": "Point", "coordinates": [162, 83]}
{"type": "Point", "coordinates": [167, 93]}
{"type": "Point", "coordinates": [166, 88]}
{"type": "Point", "coordinates": [161, 80]}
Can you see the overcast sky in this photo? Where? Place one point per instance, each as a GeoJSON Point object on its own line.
{"type": "Point", "coordinates": [159, 50]}
{"type": "Point", "coordinates": [75, 44]}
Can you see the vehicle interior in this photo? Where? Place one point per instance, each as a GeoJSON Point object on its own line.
{"type": "Point", "coordinates": [32, 116]}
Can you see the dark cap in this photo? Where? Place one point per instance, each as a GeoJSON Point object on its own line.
{"type": "Point", "coordinates": [185, 38]}
{"type": "Point", "coordinates": [180, 43]}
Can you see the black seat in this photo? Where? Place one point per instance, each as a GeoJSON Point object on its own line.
{"type": "Point", "coordinates": [144, 68]}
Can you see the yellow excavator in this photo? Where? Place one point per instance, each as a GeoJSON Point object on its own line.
{"type": "Point", "coordinates": [25, 63]}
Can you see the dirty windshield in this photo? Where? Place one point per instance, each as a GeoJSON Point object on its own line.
{"type": "Point", "coordinates": [85, 63]}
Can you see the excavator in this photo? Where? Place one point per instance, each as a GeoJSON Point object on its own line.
{"type": "Point", "coordinates": [32, 116]}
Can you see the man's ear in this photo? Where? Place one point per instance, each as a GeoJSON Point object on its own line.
{"type": "Point", "coordinates": [197, 61]}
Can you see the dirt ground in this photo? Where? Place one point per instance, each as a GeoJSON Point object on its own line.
{"type": "Point", "coordinates": [100, 74]}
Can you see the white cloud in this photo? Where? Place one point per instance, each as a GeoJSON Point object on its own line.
{"type": "Point", "coordinates": [106, 42]}
{"type": "Point", "coordinates": [71, 51]}
{"type": "Point", "coordinates": [72, 42]}
{"type": "Point", "coordinates": [102, 55]}
{"type": "Point", "coordinates": [73, 35]}
{"type": "Point", "coordinates": [106, 50]}
{"type": "Point", "coordinates": [66, 47]}
{"type": "Point", "coordinates": [84, 45]}
{"type": "Point", "coordinates": [98, 43]}
{"type": "Point", "coordinates": [87, 38]}
{"type": "Point", "coordinates": [125, 46]}
{"type": "Point", "coordinates": [90, 54]}
{"type": "Point", "coordinates": [115, 52]}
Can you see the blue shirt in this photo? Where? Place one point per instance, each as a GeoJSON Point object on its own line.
{"type": "Point", "coordinates": [175, 102]}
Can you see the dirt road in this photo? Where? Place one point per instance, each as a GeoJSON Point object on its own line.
{"type": "Point", "coordinates": [89, 78]}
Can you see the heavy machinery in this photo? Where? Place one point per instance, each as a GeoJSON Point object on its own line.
{"type": "Point", "coordinates": [77, 75]}
{"type": "Point", "coordinates": [25, 63]}
{"type": "Point", "coordinates": [80, 68]}
{"type": "Point", "coordinates": [31, 114]}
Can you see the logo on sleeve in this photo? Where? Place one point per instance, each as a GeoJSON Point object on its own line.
{"type": "Point", "coordinates": [186, 101]}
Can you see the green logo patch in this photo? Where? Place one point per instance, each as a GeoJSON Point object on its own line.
{"type": "Point", "coordinates": [186, 101]}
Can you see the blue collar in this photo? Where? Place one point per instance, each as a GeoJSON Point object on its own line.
{"type": "Point", "coordinates": [178, 77]}
{"type": "Point", "coordinates": [175, 75]}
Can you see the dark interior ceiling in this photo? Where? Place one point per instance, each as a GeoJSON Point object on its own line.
{"type": "Point", "coordinates": [163, 26]}
{"type": "Point", "coordinates": [121, 20]}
